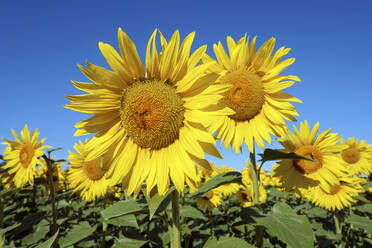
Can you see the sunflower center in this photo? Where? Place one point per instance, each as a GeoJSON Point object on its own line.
{"type": "Point", "coordinates": [246, 196]}
{"type": "Point", "coordinates": [93, 171]}
{"type": "Point", "coordinates": [351, 155]}
{"type": "Point", "coordinates": [246, 96]}
{"type": "Point", "coordinates": [304, 166]}
{"type": "Point", "coordinates": [335, 189]}
{"type": "Point", "coordinates": [26, 155]}
{"type": "Point", "coordinates": [152, 113]}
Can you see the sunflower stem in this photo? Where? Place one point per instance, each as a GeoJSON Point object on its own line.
{"type": "Point", "coordinates": [256, 196]}
{"type": "Point", "coordinates": [255, 181]}
{"type": "Point", "coordinates": [337, 222]}
{"type": "Point", "coordinates": [1, 212]}
{"type": "Point", "coordinates": [176, 227]}
{"type": "Point", "coordinates": [53, 227]}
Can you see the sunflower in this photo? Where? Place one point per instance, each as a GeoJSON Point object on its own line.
{"type": "Point", "coordinates": [152, 117]}
{"type": "Point", "coordinates": [59, 175]}
{"type": "Point", "coordinates": [260, 105]}
{"type": "Point", "coordinates": [228, 188]}
{"type": "Point", "coordinates": [22, 156]}
{"type": "Point", "coordinates": [88, 176]}
{"type": "Point", "coordinates": [340, 195]}
{"type": "Point", "coordinates": [211, 200]}
{"type": "Point", "coordinates": [325, 170]}
{"type": "Point", "coordinates": [358, 156]}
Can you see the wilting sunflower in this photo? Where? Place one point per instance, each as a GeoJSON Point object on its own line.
{"type": "Point", "coordinates": [358, 156]}
{"type": "Point", "coordinates": [59, 175]}
{"type": "Point", "coordinates": [22, 156]}
{"type": "Point", "coordinates": [340, 195]}
{"type": "Point", "coordinates": [88, 176]}
{"type": "Point", "coordinates": [260, 105]}
{"type": "Point", "coordinates": [152, 117]}
{"type": "Point", "coordinates": [302, 174]}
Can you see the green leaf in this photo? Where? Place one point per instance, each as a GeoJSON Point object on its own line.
{"type": "Point", "coordinates": [229, 177]}
{"type": "Point", "coordinates": [365, 208]}
{"type": "Point", "coordinates": [9, 228]}
{"type": "Point", "coordinates": [49, 242]}
{"type": "Point", "coordinates": [187, 211]}
{"type": "Point", "coordinates": [317, 212]}
{"type": "Point", "coordinates": [158, 203]}
{"type": "Point", "coordinates": [129, 243]}
{"type": "Point", "coordinates": [361, 222]}
{"type": "Point", "coordinates": [367, 185]}
{"type": "Point", "coordinates": [227, 242]}
{"type": "Point", "coordinates": [38, 233]}
{"type": "Point", "coordinates": [271, 154]}
{"type": "Point", "coordinates": [282, 222]}
{"type": "Point", "coordinates": [123, 208]}
{"type": "Point", "coordinates": [77, 233]}
{"type": "Point", "coordinates": [124, 220]}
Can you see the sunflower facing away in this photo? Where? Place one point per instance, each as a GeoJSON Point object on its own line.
{"type": "Point", "coordinates": [59, 175]}
{"type": "Point", "coordinates": [87, 176]}
{"type": "Point", "coordinates": [358, 156]}
{"type": "Point", "coordinates": [22, 156]}
{"type": "Point", "coordinates": [302, 174]}
{"type": "Point", "coordinates": [340, 195]}
{"type": "Point", "coordinates": [151, 116]}
{"type": "Point", "coordinates": [256, 95]}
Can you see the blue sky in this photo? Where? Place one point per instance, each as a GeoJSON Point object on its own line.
{"type": "Point", "coordinates": [43, 41]}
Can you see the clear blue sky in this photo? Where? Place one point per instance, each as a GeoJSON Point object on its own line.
{"type": "Point", "coordinates": [43, 41]}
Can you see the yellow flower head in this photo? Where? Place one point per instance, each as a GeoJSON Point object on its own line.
{"type": "Point", "coordinates": [151, 118]}
{"type": "Point", "coordinates": [211, 200]}
{"type": "Point", "coordinates": [22, 156]}
{"type": "Point", "coordinates": [358, 156]}
{"type": "Point", "coordinates": [302, 174]}
{"type": "Point", "coordinates": [87, 176]}
{"type": "Point", "coordinates": [338, 197]}
{"type": "Point", "coordinates": [256, 97]}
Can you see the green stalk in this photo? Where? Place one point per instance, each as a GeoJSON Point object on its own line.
{"type": "Point", "coordinates": [53, 227]}
{"type": "Point", "coordinates": [176, 227]}
{"type": "Point", "coordinates": [337, 222]}
{"type": "Point", "coordinates": [256, 197]}
{"type": "Point", "coordinates": [1, 213]}
{"type": "Point", "coordinates": [254, 179]}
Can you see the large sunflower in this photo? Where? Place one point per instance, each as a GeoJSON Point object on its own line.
{"type": "Point", "coordinates": [302, 174]}
{"type": "Point", "coordinates": [256, 95]}
{"type": "Point", "coordinates": [340, 195]}
{"type": "Point", "coordinates": [358, 156]}
{"type": "Point", "coordinates": [151, 116]}
{"type": "Point", "coordinates": [88, 176]}
{"type": "Point", "coordinates": [22, 156]}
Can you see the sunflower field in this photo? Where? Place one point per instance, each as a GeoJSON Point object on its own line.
{"type": "Point", "coordinates": [143, 178]}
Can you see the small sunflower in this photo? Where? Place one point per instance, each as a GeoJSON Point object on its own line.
{"type": "Point", "coordinates": [244, 198]}
{"type": "Point", "coordinates": [211, 200]}
{"type": "Point", "coordinates": [59, 175]}
{"type": "Point", "coordinates": [302, 174]}
{"type": "Point", "coordinates": [228, 188]}
{"type": "Point", "coordinates": [22, 156]}
{"type": "Point", "coordinates": [358, 156]}
{"type": "Point", "coordinates": [338, 197]}
{"type": "Point", "coordinates": [87, 176]}
{"type": "Point", "coordinates": [256, 97]}
{"type": "Point", "coordinates": [151, 116]}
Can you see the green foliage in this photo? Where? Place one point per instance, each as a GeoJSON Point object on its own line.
{"type": "Point", "coordinates": [291, 228]}
{"type": "Point", "coordinates": [286, 221]}
{"type": "Point", "coordinates": [221, 179]}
